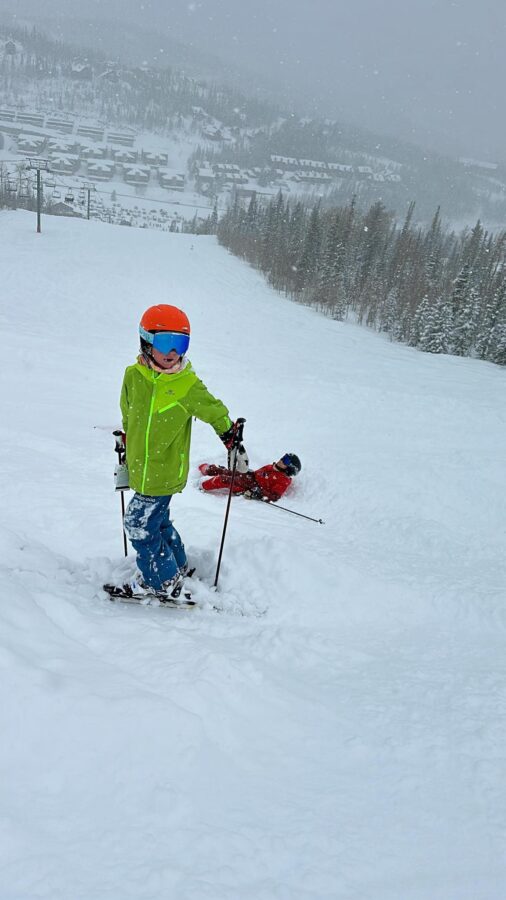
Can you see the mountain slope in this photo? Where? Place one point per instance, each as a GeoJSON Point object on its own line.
{"type": "Point", "coordinates": [335, 731]}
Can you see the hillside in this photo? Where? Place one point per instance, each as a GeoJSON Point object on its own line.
{"type": "Point", "coordinates": [336, 730]}
{"type": "Point", "coordinates": [155, 132]}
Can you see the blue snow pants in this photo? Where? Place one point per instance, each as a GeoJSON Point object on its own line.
{"type": "Point", "coordinates": [160, 551]}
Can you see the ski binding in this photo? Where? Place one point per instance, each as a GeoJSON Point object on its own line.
{"type": "Point", "coordinates": [184, 600]}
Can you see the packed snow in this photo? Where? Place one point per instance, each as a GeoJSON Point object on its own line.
{"type": "Point", "coordinates": [336, 730]}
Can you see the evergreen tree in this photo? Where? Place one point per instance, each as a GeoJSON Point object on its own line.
{"type": "Point", "coordinates": [493, 311]}
{"type": "Point", "coordinates": [497, 348]}
{"type": "Point", "coordinates": [389, 319]}
{"type": "Point", "coordinates": [441, 292]}
{"type": "Point", "coordinates": [433, 252]}
{"type": "Point", "coordinates": [308, 263]}
{"type": "Point", "coordinates": [330, 271]}
{"type": "Point", "coordinates": [267, 238]}
{"type": "Point", "coordinates": [375, 229]}
{"type": "Point", "coordinates": [278, 264]}
{"type": "Point", "coordinates": [251, 222]}
{"type": "Point", "coordinates": [464, 304]}
{"type": "Point", "coordinates": [434, 333]}
{"type": "Point", "coordinates": [295, 243]}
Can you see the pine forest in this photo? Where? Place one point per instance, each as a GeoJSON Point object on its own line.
{"type": "Point", "coordinates": [438, 291]}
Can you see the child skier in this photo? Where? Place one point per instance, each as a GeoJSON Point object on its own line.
{"type": "Point", "coordinates": [267, 483]}
{"type": "Point", "coordinates": [160, 395]}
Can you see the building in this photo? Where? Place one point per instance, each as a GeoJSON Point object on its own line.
{"type": "Point", "coordinates": [205, 179]}
{"type": "Point", "coordinates": [313, 164]}
{"type": "Point", "coordinates": [31, 146]}
{"type": "Point", "coordinates": [100, 170]}
{"type": "Point", "coordinates": [93, 132]}
{"type": "Point", "coordinates": [30, 118]}
{"type": "Point", "coordinates": [234, 178]}
{"type": "Point", "coordinates": [64, 164]}
{"type": "Point", "coordinates": [288, 163]}
{"type": "Point", "coordinates": [99, 151]}
{"type": "Point", "coordinates": [63, 209]}
{"type": "Point", "coordinates": [124, 138]}
{"type": "Point", "coordinates": [11, 129]}
{"type": "Point", "coordinates": [127, 157]}
{"type": "Point", "coordinates": [312, 177]}
{"type": "Point", "coordinates": [154, 159]}
{"type": "Point", "coordinates": [60, 123]}
{"type": "Point", "coordinates": [138, 175]}
{"type": "Point", "coordinates": [226, 169]}
{"type": "Point", "coordinates": [340, 169]}
{"type": "Point", "coordinates": [211, 133]}
{"type": "Point", "coordinates": [246, 193]}
{"type": "Point", "coordinates": [171, 179]}
{"type": "Point", "coordinates": [64, 147]}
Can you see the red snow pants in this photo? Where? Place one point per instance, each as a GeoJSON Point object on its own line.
{"type": "Point", "coordinates": [222, 478]}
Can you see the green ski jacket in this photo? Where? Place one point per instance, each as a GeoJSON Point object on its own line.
{"type": "Point", "coordinates": [157, 412]}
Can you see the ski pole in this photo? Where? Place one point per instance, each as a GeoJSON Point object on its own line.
{"type": "Point", "coordinates": [294, 513]}
{"type": "Point", "coordinates": [235, 445]}
{"type": "Point", "coordinates": [125, 545]}
{"type": "Point", "coordinates": [121, 474]}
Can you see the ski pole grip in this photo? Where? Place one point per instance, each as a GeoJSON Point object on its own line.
{"type": "Point", "coordinates": [239, 430]}
{"type": "Point", "coordinates": [120, 446]}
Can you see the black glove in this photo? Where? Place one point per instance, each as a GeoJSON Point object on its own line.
{"type": "Point", "coordinates": [229, 438]}
{"type": "Point", "coordinates": [254, 493]}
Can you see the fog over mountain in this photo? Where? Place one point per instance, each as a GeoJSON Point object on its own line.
{"type": "Point", "coordinates": [428, 71]}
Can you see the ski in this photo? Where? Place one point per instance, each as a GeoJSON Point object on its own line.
{"type": "Point", "coordinates": [115, 593]}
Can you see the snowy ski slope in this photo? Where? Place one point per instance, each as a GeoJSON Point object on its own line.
{"type": "Point", "coordinates": [338, 731]}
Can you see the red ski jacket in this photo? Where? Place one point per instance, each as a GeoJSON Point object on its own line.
{"type": "Point", "coordinates": [270, 481]}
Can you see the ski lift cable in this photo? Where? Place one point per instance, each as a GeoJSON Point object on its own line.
{"type": "Point", "coordinates": [96, 190]}
{"type": "Point", "coordinates": [127, 196]}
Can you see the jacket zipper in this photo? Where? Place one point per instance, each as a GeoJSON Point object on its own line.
{"type": "Point", "coordinates": [146, 460]}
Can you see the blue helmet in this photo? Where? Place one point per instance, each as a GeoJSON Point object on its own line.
{"type": "Point", "coordinates": [292, 464]}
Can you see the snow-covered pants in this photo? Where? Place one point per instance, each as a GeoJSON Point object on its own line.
{"type": "Point", "coordinates": [160, 550]}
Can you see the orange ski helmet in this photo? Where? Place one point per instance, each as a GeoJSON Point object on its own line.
{"type": "Point", "coordinates": [164, 328]}
{"type": "Point", "coordinates": [165, 318]}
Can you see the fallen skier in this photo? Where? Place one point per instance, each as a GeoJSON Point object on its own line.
{"type": "Point", "coordinates": [267, 483]}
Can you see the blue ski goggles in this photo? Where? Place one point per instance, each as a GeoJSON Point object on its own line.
{"type": "Point", "coordinates": [166, 341]}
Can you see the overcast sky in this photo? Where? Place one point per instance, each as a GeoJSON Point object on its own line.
{"type": "Point", "coordinates": [432, 71]}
